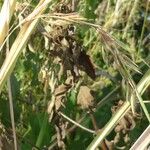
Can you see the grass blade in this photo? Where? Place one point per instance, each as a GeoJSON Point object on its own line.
{"type": "Point", "coordinates": [141, 87]}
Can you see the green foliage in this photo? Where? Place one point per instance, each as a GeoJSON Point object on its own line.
{"type": "Point", "coordinates": [120, 63]}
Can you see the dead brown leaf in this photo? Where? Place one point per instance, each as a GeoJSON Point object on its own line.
{"type": "Point", "coordinates": [61, 127]}
{"type": "Point", "coordinates": [125, 125]}
{"type": "Point", "coordinates": [62, 89]}
{"type": "Point", "coordinates": [85, 98]}
{"type": "Point", "coordinates": [60, 93]}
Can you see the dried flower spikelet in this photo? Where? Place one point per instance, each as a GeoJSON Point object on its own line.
{"type": "Point", "coordinates": [85, 98]}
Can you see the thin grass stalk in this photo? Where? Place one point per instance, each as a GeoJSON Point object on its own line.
{"type": "Point", "coordinates": [141, 101]}
{"type": "Point", "coordinates": [12, 112]}
{"type": "Point", "coordinates": [130, 17]}
{"type": "Point", "coordinates": [76, 123]}
{"type": "Point", "coordinates": [143, 27]}
{"type": "Point", "coordinates": [20, 43]}
{"type": "Point", "coordinates": [143, 141]}
{"type": "Point", "coordinates": [11, 104]}
{"type": "Point", "coordinates": [71, 129]}
{"type": "Point", "coordinates": [5, 17]}
{"type": "Point", "coordinates": [141, 87]}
